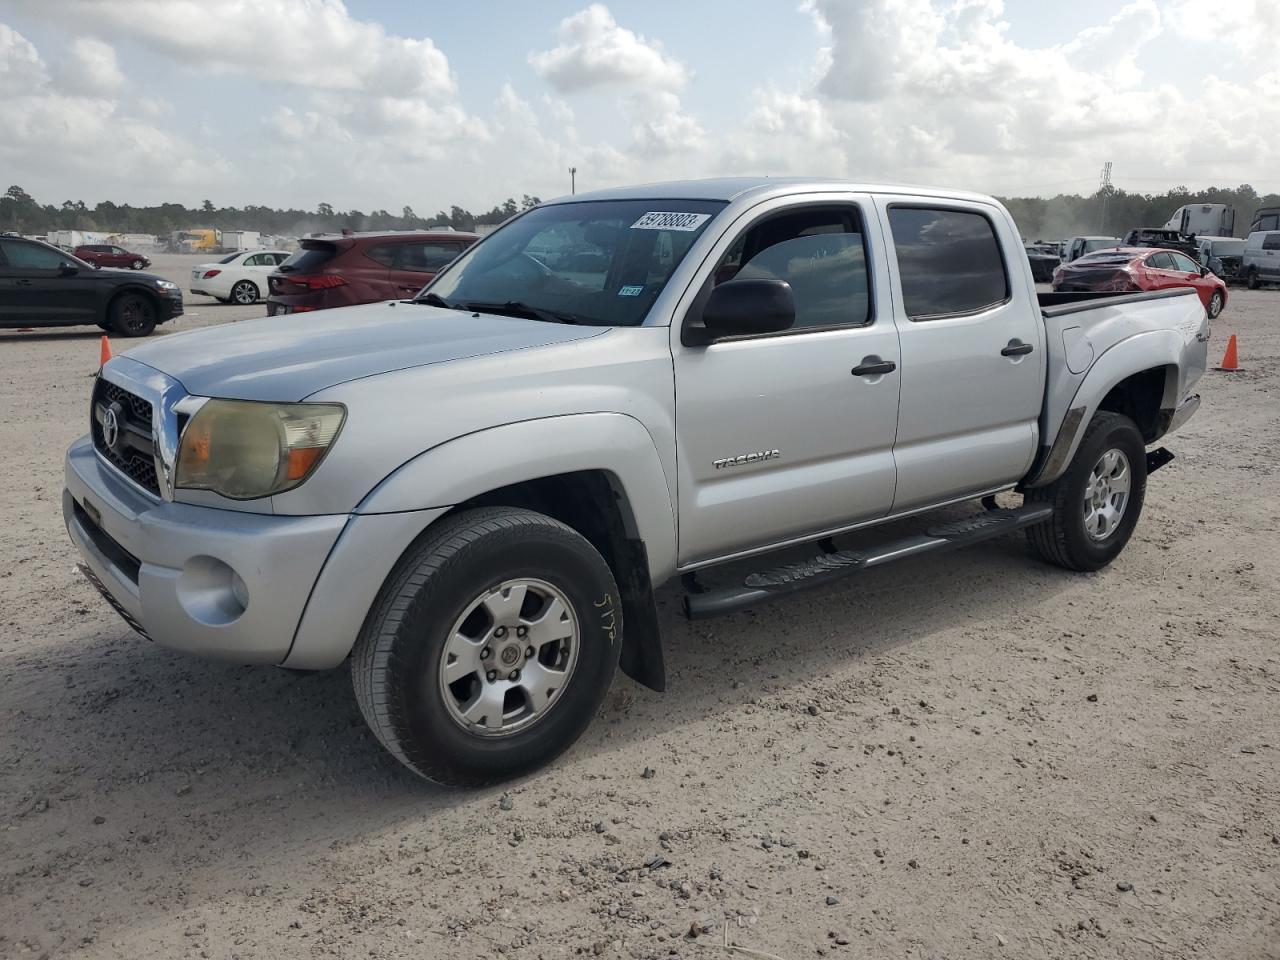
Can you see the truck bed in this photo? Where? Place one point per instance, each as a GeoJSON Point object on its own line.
{"type": "Point", "coordinates": [1061, 304]}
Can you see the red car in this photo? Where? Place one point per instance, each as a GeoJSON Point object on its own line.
{"type": "Point", "coordinates": [1130, 269]}
{"type": "Point", "coordinates": [109, 255]}
{"type": "Point", "coordinates": [338, 270]}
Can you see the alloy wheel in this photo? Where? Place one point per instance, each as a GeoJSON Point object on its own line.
{"type": "Point", "coordinates": [1106, 494]}
{"type": "Point", "coordinates": [509, 657]}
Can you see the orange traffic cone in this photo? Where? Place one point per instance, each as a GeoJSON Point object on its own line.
{"type": "Point", "coordinates": [1230, 362]}
{"type": "Point", "coordinates": [105, 353]}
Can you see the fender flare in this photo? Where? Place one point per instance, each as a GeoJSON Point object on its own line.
{"type": "Point", "coordinates": [616, 444]}
{"type": "Point", "coordinates": [1143, 351]}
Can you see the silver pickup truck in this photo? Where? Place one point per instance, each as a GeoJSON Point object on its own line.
{"type": "Point", "coordinates": [473, 494]}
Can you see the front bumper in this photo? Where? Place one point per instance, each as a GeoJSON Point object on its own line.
{"type": "Point", "coordinates": [170, 305]}
{"type": "Point", "coordinates": [215, 583]}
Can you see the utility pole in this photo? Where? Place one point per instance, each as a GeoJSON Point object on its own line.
{"type": "Point", "coordinates": [1104, 187]}
{"type": "Point", "coordinates": [573, 180]}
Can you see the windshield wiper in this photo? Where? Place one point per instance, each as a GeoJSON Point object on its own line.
{"type": "Point", "coordinates": [435, 300]}
{"type": "Point", "coordinates": [515, 308]}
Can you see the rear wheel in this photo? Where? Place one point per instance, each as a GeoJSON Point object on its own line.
{"type": "Point", "coordinates": [1098, 500]}
{"type": "Point", "coordinates": [490, 647]}
{"type": "Point", "coordinates": [1215, 304]}
{"type": "Point", "coordinates": [1252, 279]}
{"type": "Point", "coordinates": [133, 314]}
{"type": "Point", "coordinates": [245, 292]}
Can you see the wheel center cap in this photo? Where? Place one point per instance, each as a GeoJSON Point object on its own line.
{"type": "Point", "coordinates": [509, 655]}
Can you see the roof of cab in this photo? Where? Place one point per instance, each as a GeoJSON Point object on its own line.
{"type": "Point", "coordinates": [732, 188]}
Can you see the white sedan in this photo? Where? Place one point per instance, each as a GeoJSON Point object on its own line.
{"type": "Point", "coordinates": [238, 277]}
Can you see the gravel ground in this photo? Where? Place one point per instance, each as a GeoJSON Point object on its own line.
{"type": "Point", "coordinates": [936, 760]}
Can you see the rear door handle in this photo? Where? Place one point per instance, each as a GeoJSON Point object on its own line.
{"type": "Point", "coordinates": [1016, 348]}
{"type": "Point", "coordinates": [23, 283]}
{"type": "Point", "coordinates": [873, 366]}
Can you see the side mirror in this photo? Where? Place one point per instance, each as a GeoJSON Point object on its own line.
{"type": "Point", "coordinates": [67, 269]}
{"type": "Point", "coordinates": [746, 307]}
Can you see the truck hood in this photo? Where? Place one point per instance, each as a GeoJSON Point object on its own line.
{"type": "Point", "coordinates": [289, 358]}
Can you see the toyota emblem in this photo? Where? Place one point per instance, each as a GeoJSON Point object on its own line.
{"type": "Point", "coordinates": [110, 429]}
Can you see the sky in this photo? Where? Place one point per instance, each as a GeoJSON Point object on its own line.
{"type": "Point", "coordinates": [378, 104]}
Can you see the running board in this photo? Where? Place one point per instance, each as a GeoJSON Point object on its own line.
{"type": "Point", "coordinates": [828, 567]}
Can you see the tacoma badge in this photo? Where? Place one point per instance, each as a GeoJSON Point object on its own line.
{"type": "Point", "coordinates": [759, 456]}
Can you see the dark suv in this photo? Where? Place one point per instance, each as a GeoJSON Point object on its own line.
{"type": "Point", "coordinates": [338, 270]}
{"type": "Point", "coordinates": [42, 286]}
{"type": "Point", "coordinates": [110, 255]}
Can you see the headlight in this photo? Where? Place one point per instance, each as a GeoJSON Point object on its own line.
{"type": "Point", "coordinates": [244, 449]}
{"type": "Point", "coordinates": [166, 285]}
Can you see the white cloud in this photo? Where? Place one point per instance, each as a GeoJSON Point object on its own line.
{"type": "Point", "coordinates": [594, 51]}
{"type": "Point", "coordinates": [21, 68]}
{"type": "Point", "coordinates": [91, 67]}
{"type": "Point", "coordinates": [1251, 26]}
{"type": "Point", "coordinates": [72, 135]}
{"type": "Point", "coordinates": [315, 44]}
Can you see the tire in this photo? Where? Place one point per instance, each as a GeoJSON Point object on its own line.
{"type": "Point", "coordinates": [1251, 281]}
{"type": "Point", "coordinates": [133, 314]}
{"type": "Point", "coordinates": [244, 293]}
{"type": "Point", "coordinates": [1215, 305]}
{"type": "Point", "coordinates": [434, 601]}
{"type": "Point", "coordinates": [1064, 540]}
{"type": "Point", "coordinates": [137, 265]}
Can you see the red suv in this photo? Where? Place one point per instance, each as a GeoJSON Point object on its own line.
{"type": "Point", "coordinates": [109, 255]}
{"type": "Point", "coordinates": [338, 270]}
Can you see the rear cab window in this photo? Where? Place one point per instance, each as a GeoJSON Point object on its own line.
{"type": "Point", "coordinates": [949, 261]}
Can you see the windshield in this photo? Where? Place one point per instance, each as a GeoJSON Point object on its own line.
{"type": "Point", "coordinates": [1227, 248]}
{"type": "Point", "coordinates": [598, 262]}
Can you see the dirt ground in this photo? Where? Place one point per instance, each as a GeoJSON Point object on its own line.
{"type": "Point", "coordinates": [972, 756]}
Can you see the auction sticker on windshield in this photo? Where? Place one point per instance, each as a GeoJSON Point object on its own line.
{"type": "Point", "coordinates": [659, 220]}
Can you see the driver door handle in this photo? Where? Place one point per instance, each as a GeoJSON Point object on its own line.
{"type": "Point", "coordinates": [873, 366]}
{"type": "Point", "coordinates": [1016, 348]}
{"type": "Point", "coordinates": [23, 282]}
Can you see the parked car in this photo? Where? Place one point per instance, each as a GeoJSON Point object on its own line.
{"type": "Point", "coordinates": [1261, 260]}
{"type": "Point", "coordinates": [111, 255]}
{"type": "Point", "coordinates": [1044, 259]}
{"type": "Point", "coordinates": [1222, 255]}
{"type": "Point", "coordinates": [42, 286]}
{"type": "Point", "coordinates": [1161, 238]}
{"type": "Point", "coordinates": [238, 277]}
{"type": "Point", "coordinates": [338, 270]}
{"type": "Point", "coordinates": [473, 495]}
{"type": "Point", "coordinates": [1133, 269]}
{"type": "Point", "coordinates": [1265, 218]}
{"type": "Point", "coordinates": [1077, 247]}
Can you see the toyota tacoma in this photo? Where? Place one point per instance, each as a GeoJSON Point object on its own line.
{"type": "Point", "coordinates": [472, 494]}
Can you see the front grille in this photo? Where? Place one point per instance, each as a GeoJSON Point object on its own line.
{"type": "Point", "coordinates": [134, 451]}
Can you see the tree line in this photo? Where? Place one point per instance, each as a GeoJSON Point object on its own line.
{"type": "Point", "coordinates": [1109, 212]}
{"type": "Point", "coordinates": [21, 213]}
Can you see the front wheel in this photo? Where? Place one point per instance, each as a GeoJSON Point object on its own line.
{"type": "Point", "coordinates": [137, 264]}
{"type": "Point", "coordinates": [490, 647]}
{"type": "Point", "coordinates": [1215, 304]}
{"type": "Point", "coordinates": [1097, 500]}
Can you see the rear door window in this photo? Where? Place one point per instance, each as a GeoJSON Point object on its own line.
{"type": "Point", "coordinates": [949, 262]}
{"type": "Point", "coordinates": [1160, 261]}
{"type": "Point", "coordinates": [426, 257]}
{"type": "Point", "coordinates": [1271, 241]}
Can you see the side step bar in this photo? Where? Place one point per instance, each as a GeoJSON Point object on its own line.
{"type": "Point", "coordinates": [828, 567]}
